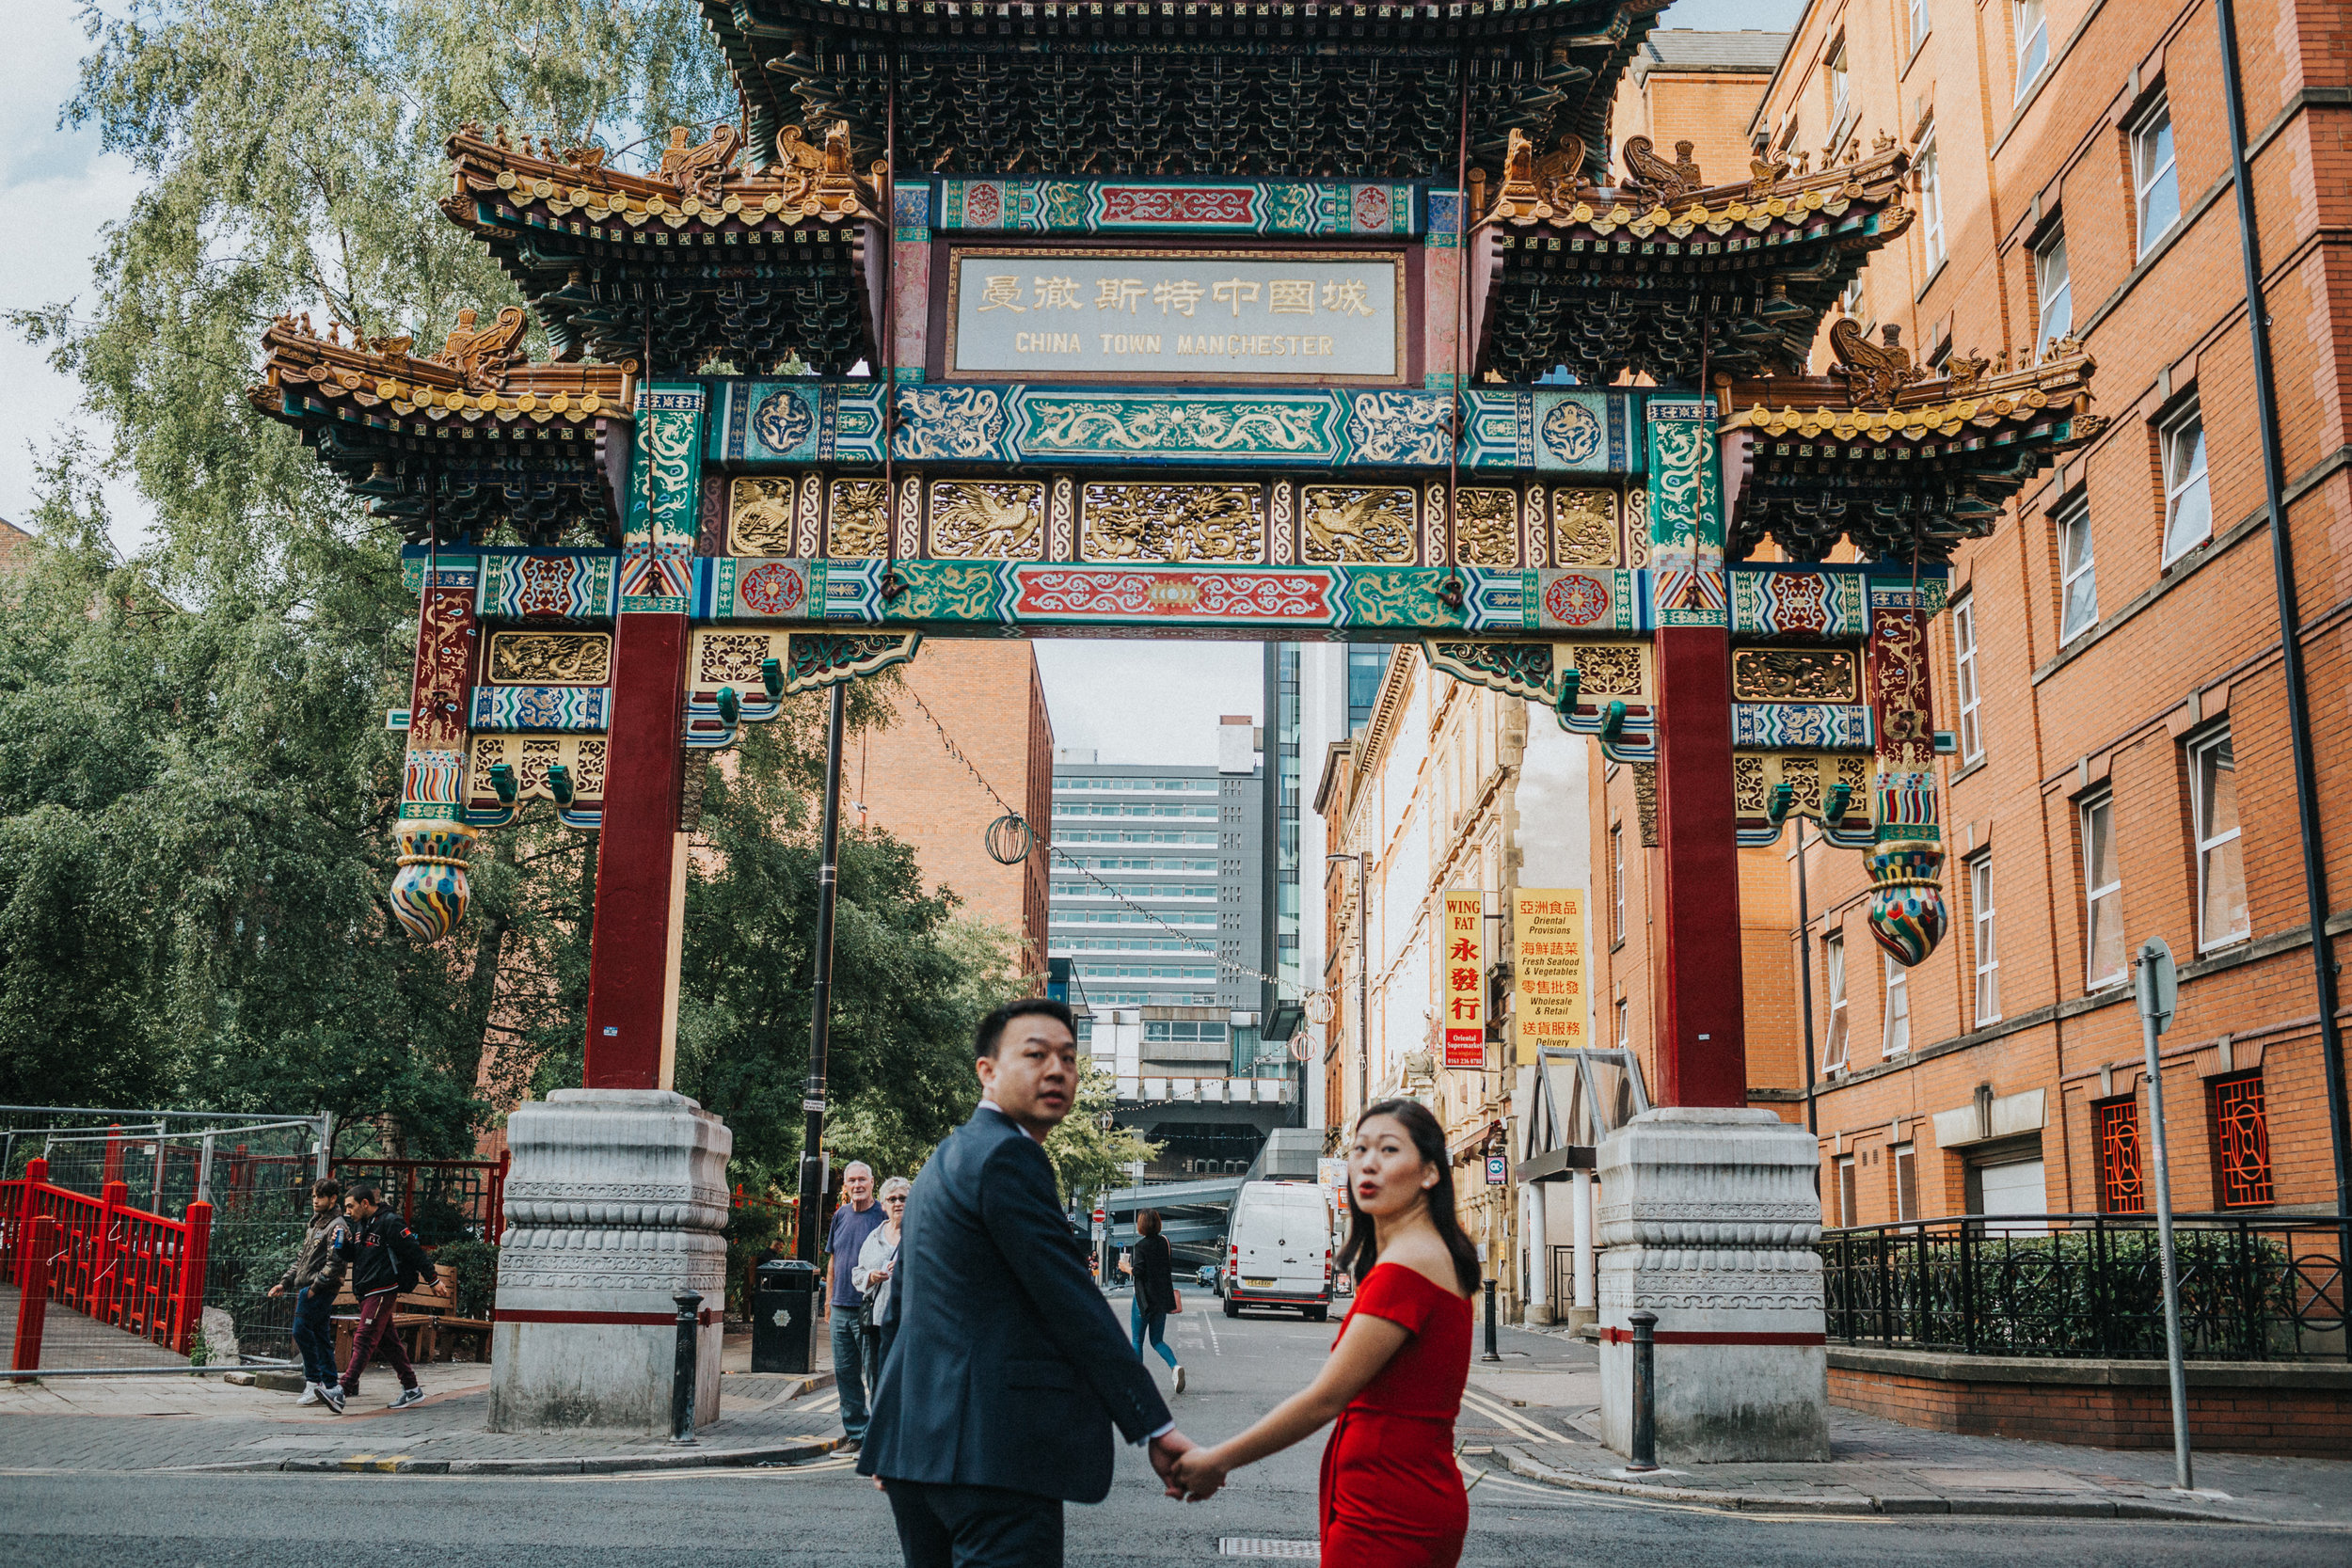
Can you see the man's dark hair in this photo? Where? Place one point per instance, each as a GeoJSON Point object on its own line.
{"type": "Point", "coordinates": [991, 1033]}
{"type": "Point", "coordinates": [326, 1186]}
{"type": "Point", "coordinates": [362, 1195]}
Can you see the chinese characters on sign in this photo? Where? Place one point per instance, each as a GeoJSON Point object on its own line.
{"type": "Point", "coordinates": [1142, 314]}
{"type": "Point", "coordinates": [1465, 971]}
{"type": "Point", "coordinates": [1548, 969]}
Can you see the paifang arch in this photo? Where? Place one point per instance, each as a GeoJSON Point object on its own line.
{"type": "Point", "coordinates": [1157, 346]}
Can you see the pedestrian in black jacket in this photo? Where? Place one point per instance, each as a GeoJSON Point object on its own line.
{"type": "Point", "coordinates": [385, 1258]}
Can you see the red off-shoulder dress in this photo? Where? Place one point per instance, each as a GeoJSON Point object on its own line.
{"type": "Point", "coordinates": [1392, 1493]}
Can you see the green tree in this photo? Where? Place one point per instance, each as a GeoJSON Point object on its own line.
{"type": "Point", "coordinates": [1090, 1153]}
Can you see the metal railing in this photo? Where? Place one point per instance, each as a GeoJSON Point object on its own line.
{"type": "Point", "coordinates": [2090, 1285]}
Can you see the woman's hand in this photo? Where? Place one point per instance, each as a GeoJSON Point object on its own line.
{"type": "Point", "coordinates": [1200, 1473]}
{"type": "Point", "coordinates": [876, 1276]}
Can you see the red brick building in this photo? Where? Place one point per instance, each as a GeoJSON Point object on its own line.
{"type": "Point", "coordinates": [2111, 663]}
{"type": "Point", "coordinates": [987, 696]}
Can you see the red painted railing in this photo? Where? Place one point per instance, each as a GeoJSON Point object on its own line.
{"type": "Point", "coordinates": [119, 1265]}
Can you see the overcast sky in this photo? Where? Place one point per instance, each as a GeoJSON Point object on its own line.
{"type": "Point", "coordinates": [1135, 701]}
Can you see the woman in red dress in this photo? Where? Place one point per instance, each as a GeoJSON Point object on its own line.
{"type": "Point", "coordinates": [1392, 1494]}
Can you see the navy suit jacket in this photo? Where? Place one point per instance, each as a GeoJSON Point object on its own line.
{"type": "Point", "coordinates": [1008, 1368]}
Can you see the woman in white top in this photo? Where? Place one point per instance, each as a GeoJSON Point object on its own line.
{"type": "Point", "coordinates": [871, 1276]}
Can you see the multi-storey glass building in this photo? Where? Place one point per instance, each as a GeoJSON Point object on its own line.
{"type": "Point", "coordinates": [1165, 881]}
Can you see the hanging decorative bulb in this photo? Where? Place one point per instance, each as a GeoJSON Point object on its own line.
{"type": "Point", "coordinates": [1010, 840]}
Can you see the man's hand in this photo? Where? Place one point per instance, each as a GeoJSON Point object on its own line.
{"type": "Point", "coordinates": [1197, 1476]}
{"type": "Point", "coordinates": [1165, 1451]}
{"type": "Point", "coordinates": [275, 1290]}
{"type": "Point", "coordinates": [440, 1289]}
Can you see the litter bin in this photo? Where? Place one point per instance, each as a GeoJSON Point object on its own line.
{"type": "Point", "coordinates": [784, 1314]}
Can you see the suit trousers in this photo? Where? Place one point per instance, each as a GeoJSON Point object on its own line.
{"type": "Point", "coordinates": [974, 1526]}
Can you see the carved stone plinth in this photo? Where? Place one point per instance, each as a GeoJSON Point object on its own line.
{"type": "Point", "coordinates": [616, 1200]}
{"type": "Point", "coordinates": [1708, 1218]}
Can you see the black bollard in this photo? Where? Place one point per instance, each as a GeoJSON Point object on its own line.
{"type": "Point", "coordinates": [690, 1324]}
{"type": "Point", "coordinates": [1645, 1392]}
{"type": "Point", "coordinates": [1492, 1354]}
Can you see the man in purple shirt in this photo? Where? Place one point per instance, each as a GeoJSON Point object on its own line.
{"type": "Point", "coordinates": [858, 1217]}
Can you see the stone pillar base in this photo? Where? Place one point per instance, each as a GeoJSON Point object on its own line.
{"type": "Point", "coordinates": [1539, 1312]}
{"type": "Point", "coordinates": [1710, 1220]}
{"type": "Point", "coordinates": [1577, 1319]}
{"type": "Point", "coordinates": [616, 1199]}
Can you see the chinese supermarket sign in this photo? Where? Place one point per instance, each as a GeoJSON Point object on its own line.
{"type": "Point", "coordinates": [1141, 315]}
{"type": "Point", "coordinates": [1466, 979]}
{"type": "Point", "coordinates": [1548, 968]}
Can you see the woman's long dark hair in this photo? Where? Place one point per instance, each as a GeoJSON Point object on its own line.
{"type": "Point", "coordinates": [1363, 1249]}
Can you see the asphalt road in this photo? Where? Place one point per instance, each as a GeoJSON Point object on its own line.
{"type": "Point", "coordinates": [823, 1514]}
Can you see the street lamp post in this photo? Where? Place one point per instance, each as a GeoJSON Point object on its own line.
{"type": "Point", "coordinates": [1363, 977]}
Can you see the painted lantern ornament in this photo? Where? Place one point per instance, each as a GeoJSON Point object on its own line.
{"type": "Point", "coordinates": [428, 893]}
{"type": "Point", "coordinates": [1907, 914]}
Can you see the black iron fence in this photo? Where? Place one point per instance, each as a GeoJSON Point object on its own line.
{"type": "Point", "coordinates": [2091, 1286]}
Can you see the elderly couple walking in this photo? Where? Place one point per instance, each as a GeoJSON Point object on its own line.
{"type": "Point", "coordinates": [996, 1402]}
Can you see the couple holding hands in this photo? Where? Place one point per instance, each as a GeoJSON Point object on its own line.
{"type": "Point", "coordinates": [1008, 1370]}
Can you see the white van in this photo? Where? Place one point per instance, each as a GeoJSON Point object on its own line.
{"type": "Point", "coordinates": [1278, 1249]}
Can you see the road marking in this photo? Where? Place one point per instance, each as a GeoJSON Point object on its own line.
{"type": "Point", "coordinates": [1257, 1545]}
{"type": "Point", "coordinates": [1512, 1420]}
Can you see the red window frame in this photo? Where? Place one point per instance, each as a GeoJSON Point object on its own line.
{"type": "Point", "coordinates": [2241, 1143]}
{"type": "Point", "coordinates": [2122, 1185]}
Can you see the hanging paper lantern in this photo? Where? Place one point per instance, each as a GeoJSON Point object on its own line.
{"type": "Point", "coordinates": [1010, 840]}
{"type": "Point", "coordinates": [428, 894]}
{"type": "Point", "coordinates": [1907, 914]}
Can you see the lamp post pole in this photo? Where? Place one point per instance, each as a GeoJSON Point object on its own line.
{"type": "Point", "coordinates": [821, 1007]}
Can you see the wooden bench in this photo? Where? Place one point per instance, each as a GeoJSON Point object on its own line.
{"type": "Point", "coordinates": [427, 1325]}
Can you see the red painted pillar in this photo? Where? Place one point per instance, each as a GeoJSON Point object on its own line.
{"type": "Point", "coordinates": [36, 1175]}
{"type": "Point", "coordinates": [640, 854]}
{"type": "Point", "coordinates": [1702, 1041]}
{"type": "Point", "coordinates": [196, 1246]}
{"type": "Point", "coordinates": [32, 1307]}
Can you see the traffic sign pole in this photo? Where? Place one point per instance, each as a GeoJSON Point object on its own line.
{"type": "Point", "coordinates": [2157, 987]}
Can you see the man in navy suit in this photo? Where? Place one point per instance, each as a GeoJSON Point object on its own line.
{"type": "Point", "coordinates": [1008, 1370]}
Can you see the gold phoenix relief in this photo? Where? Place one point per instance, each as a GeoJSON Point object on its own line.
{"type": "Point", "coordinates": [1795, 675]}
{"type": "Point", "coordinates": [1486, 528]}
{"type": "Point", "coordinates": [857, 522]}
{"type": "Point", "coordinates": [1611, 670]}
{"type": "Point", "coordinates": [975, 520]}
{"type": "Point", "coordinates": [730, 659]}
{"type": "Point", "coordinates": [550, 658]}
{"type": "Point", "coordinates": [1173, 522]}
{"type": "Point", "coordinates": [1354, 522]}
{"type": "Point", "coordinates": [1584, 528]}
{"type": "Point", "coordinates": [759, 517]}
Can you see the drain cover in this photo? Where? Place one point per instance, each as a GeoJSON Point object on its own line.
{"type": "Point", "coordinates": [1253, 1545]}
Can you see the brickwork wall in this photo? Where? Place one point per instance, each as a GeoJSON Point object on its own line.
{"type": "Point", "coordinates": [2317, 1424]}
{"type": "Point", "coordinates": [988, 697]}
{"type": "Point", "coordinates": [2178, 649]}
{"type": "Point", "coordinates": [1709, 110]}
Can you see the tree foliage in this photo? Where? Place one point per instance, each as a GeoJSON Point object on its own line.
{"type": "Point", "coordinates": [197, 791]}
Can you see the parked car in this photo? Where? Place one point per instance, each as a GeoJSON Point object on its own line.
{"type": "Point", "coordinates": [1278, 1249]}
{"type": "Point", "coordinates": [1210, 1280]}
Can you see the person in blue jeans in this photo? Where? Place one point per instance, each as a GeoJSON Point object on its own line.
{"type": "Point", "coordinates": [1149, 1261]}
{"type": "Point", "coordinates": [315, 1276]}
{"type": "Point", "coordinates": [858, 1217]}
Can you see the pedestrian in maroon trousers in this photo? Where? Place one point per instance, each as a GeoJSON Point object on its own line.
{"type": "Point", "coordinates": [385, 1260]}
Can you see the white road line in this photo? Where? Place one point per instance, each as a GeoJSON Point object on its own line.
{"type": "Point", "coordinates": [1511, 1420]}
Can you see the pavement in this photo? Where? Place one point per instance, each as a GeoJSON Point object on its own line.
{"type": "Point", "coordinates": [208, 1423]}
{"type": "Point", "coordinates": [818, 1512]}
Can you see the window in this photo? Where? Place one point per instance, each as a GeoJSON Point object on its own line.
{"type": "Point", "coordinates": [2116, 1123]}
{"type": "Point", "coordinates": [1847, 1210]}
{"type": "Point", "coordinates": [1625, 1025]}
{"type": "Point", "coordinates": [2054, 286]}
{"type": "Point", "coordinates": [2241, 1138]}
{"type": "Point", "coordinates": [1921, 23]}
{"type": "Point", "coordinates": [2033, 21]}
{"type": "Point", "coordinates": [1617, 883]}
{"type": "Point", "coordinates": [2187, 500]}
{"type": "Point", "coordinates": [1834, 961]}
{"type": "Point", "coordinates": [2078, 577]}
{"type": "Point", "coordinates": [1931, 199]}
{"type": "Point", "coordinates": [2155, 181]}
{"type": "Point", "coordinates": [1906, 1182]}
{"type": "Point", "coordinates": [2102, 893]}
{"type": "Point", "coordinates": [1965, 667]}
{"type": "Point", "coordinates": [1840, 86]}
{"type": "Point", "coordinates": [2220, 865]}
{"type": "Point", "coordinates": [1988, 948]}
{"type": "Point", "coordinates": [1896, 1037]}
